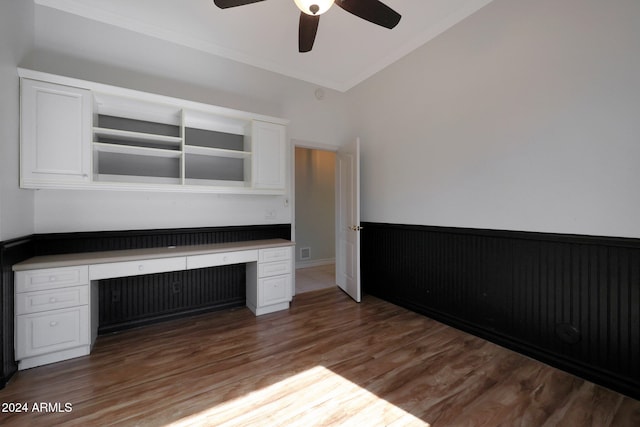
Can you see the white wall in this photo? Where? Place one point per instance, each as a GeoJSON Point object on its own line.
{"type": "Point", "coordinates": [524, 116]}
{"type": "Point", "coordinates": [16, 38]}
{"type": "Point", "coordinates": [123, 58]}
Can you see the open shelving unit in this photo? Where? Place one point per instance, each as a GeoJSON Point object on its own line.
{"type": "Point", "coordinates": [138, 142]}
{"type": "Point", "coordinates": [217, 150]}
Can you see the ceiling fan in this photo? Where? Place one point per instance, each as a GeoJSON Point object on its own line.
{"type": "Point", "coordinates": [370, 10]}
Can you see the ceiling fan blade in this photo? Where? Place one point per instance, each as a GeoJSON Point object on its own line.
{"type": "Point", "coordinates": [371, 10]}
{"type": "Point", "coordinates": [307, 31]}
{"type": "Point", "coordinates": [224, 4]}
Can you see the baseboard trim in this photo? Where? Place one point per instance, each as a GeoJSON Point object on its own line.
{"type": "Point", "coordinates": [315, 263]}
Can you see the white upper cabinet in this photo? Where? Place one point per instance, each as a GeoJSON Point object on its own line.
{"type": "Point", "coordinates": [78, 134]}
{"type": "Point", "coordinates": [269, 155]}
{"type": "Point", "coordinates": [55, 130]}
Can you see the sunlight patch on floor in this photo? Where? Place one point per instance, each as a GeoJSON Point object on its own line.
{"type": "Point", "coordinates": [315, 397]}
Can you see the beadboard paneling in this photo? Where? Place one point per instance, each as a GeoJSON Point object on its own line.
{"type": "Point", "coordinates": [59, 243]}
{"type": "Point", "coordinates": [571, 301]}
{"type": "Point", "coordinates": [134, 301]}
{"type": "Point", "coordinates": [11, 252]}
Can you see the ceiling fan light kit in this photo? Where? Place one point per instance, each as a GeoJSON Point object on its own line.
{"type": "Point", "coordinates": [373, 11]}
{"type": "Point", "coordinates": [314, 7]}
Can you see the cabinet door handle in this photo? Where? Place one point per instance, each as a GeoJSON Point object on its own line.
{"type": "Point", "coordinates": [356, 228]}
{"type": "Point", "coordinates": [140, 267]}
{"type": "Point", "coordinates": [53, 324]}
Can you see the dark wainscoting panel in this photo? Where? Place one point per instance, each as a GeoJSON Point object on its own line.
{"type": "Point", "coordinates": [134, 301]}
{"type": "Point", "coordinates": [61, 243]}
{"type": "Point", "coordinates": [570, 301]}
{"type": "Point", "coordinates": [11, 252]}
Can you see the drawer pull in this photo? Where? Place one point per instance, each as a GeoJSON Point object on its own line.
{"type": "Point", "coordinates": [140, 267]}
{"type": "Point", "coordinates": [53, 324]}
{"type": "Point", "coordinates": [52, 300]}
{"type": "Point", "coordinates": [52, 278]}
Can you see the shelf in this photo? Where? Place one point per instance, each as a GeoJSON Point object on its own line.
{"type": "Point", "coordinates": [103, 147]}
{"type": "Point", "coordinates": [214, 183]}
{"type": "Point", "coordinates": [134, 179]}
{"type": "Point", "coordinates": [215, 122]}
{"type": "Point", "coordinates": [216, 152]}
{"type": "Point", "coordinates": [169, 141]}
{"type": "Point", "coordinates": [214, 168]}
{"type": "Point", "coordinates": [136, 109]}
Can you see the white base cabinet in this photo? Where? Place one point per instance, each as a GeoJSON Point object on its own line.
{"type": "Point", "coordinates": [52, 315]}
{"type": "Point", "coordinates": [56, 297]}
{"type": "Point", "coordinates": [269, 281]}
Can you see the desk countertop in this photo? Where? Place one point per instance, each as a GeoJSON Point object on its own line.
{"type": "Point", "coordinates": [87, 258]}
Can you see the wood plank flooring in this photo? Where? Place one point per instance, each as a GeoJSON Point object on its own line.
{"type": "Point", "coordinates": [315, 278]}
{"type": "Point", "coordinates": [326, 361]}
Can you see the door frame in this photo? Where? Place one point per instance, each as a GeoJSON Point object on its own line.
{"type": "Point", "coordinates": [292, 199]}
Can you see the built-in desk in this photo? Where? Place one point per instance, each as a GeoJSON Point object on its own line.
{"type": "Point", "coordinates": [56, 296]}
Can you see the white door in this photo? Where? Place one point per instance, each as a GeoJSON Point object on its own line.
{"type": "Point", "coordinates": [348, 219]}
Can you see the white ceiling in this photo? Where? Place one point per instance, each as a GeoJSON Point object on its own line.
{"type": "Point", "coordinates": [347, 49]}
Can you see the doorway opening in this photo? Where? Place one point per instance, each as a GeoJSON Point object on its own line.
{"type": "Point", "coordinates": [315, 225]}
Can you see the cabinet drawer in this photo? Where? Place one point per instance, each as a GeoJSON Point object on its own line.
{"type": "Point", "coordinates": [274, 290]}
{"type": "Point", "coordinates": [275, 254]}
{"type": "Point", "coordinates": [51, 278]}
{"type": "Point", "coordinates": [212, 260]}
{"type": "Point", "coordinates": [136, 268]}
{"type": "Point", "coordinates": [268, 269]}
{"type": "Point", "coordinates": [51, 331]}
{"type": "Point", "coordinates": [34, 302]}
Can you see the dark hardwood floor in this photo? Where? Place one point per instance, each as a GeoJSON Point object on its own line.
{"type": "Point", "coordinates": [326, 361]}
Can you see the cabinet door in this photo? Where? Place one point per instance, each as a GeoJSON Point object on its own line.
{"type": "Point", "coordinates": [274, 290]}
{"type": "Point", "coordinates": [51, 331]}
{"type": "Point", "coordinates": [55, 135]}
{"type": "Point", "coordinates": [269, 144]}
